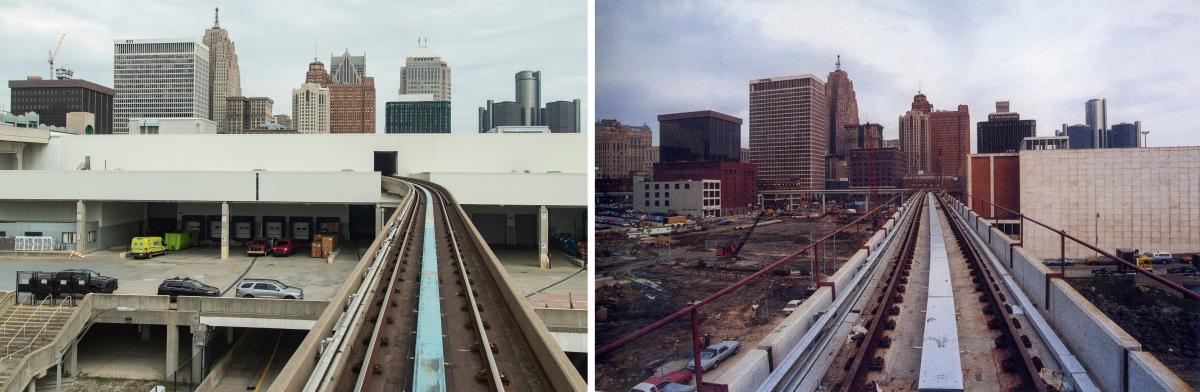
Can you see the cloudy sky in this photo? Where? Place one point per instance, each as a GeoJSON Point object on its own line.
{"type": "Point", "coordinates": [484, 42]}
{"type": "Point", "coordinates": [1047, 59]}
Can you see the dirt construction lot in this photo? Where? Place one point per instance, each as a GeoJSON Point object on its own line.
{"type": "Point", "coordinates": [641, 281]}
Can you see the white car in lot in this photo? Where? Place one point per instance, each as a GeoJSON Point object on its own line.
{"type": "Point", "coordinates": [714, 354]}
{"type": "Point", "coordinates": [791, 306]}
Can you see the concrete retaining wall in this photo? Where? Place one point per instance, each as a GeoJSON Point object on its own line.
{"type": "Point", "coordinates": [747, 374]}
{"type": "Point", "coordinates": [788, 332]}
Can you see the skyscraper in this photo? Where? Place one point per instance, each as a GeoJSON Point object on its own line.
{"type": "Point", "coordinates": [622, 150]}
{"type": "Point", "coordinates": [914, 135]}
{"type": "Point", "coordinates": [529, 96]}
{"type": "Point", "coordinates": [417, 113]}
{"type": "Point", "coordinates": [1080, 136]}
{"type": "Point", "coordinates": [424, 72]}
{"type": "Point", "coordinates": [351, 93]}
{"type": "Point", "coordinates": [843, 106]}
{"type": "Point", "coordinates": [310, 108]}
{"type": "Point", "coordinates": [949, 142]}
{"type": "Point", "coordinates": [499, 114]}
{"type": "Point", "coordinates": [1003, 131]}
{"type": "Point", "coordinates": [158, 78]}
{"type": "Point", "coordinates": [855, 136]}
{"type": "Point", "coordinates": [562, 116]}
{"type": "Point", "coordinates": [705, 135]}
{"type": "Point", "coordinates": [224, 78]}
{"type": "Point", "coordinates": [789, 126]}
{"type": "Point", "coordinates": [1096, 118]}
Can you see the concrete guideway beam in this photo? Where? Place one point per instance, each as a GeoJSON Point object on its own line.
{"type": "Point", "coordinates": [224, 230]}
{"type": "Point", "coordinates": [543, 237]}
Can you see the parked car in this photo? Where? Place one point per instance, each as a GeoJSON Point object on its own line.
{"type": "Point", "coordinates": [676, 381]}
{"type": "Point", "coordinates": [95, 283]}
{"type": "Point", "coordinates": [185, 286]}
{"type": "Point", "coordinates": [714, 354]}
{"type": "Point", "coordinates": [259, 247]}
{"type": "Point", "coordinates": [1161, 258]}
{"type": "Point", "coordinates": [283, 247]}
{"type": "Point", "coordinates": [146, 247]}
{"type": "Point", "coordinates": [791, 306]}
{"type": "Point", "coordinates": [267, 288]}
{"type": "Point", "coordinates": [1059, 262]}
{"type": "Point", "coordinates": [1181, 270]}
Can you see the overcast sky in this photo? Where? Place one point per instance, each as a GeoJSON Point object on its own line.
{"type": "Point", "coordinates": [1047, 58]}
{"type": "Point", "coordinates": [484, 42]}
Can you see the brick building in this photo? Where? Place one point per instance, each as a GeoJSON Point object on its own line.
{"type": "Point", "coordinates": [949, 142]}
{"type": "Point", "coordinates": [351, 94]}
{"type": "Point", "coordinates": [53, 99]}
{"type": "Point", "coordinates": [738, 180]}
{"type": "Point", "coordinates": [876, 167]}
{"type": "Point", "coordinates": [994, 178]}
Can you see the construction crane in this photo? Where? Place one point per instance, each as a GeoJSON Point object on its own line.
{"type": "Point", "coordinates": [731, 251]}
{"type": "Point", "coordinates": [54, 53]}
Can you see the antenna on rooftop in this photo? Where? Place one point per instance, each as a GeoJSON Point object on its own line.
{"type": "Point", "coordinates": [839, 62]}
{"type": "Point", "coordinates": [217, 18]}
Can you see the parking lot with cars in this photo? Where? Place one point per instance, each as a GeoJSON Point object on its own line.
{"type": "Point", "coordinates": [318, 279]}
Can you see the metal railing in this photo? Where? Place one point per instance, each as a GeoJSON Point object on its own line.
{"type": "Point", "coordinates": [37, 336]}
{"type": "Point", "coordinates": [1063, 237]}
{"type": "Point", "coordinates": [693, 309]}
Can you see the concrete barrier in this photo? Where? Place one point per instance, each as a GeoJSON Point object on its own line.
{"type": "Point", "coordinates": [1150, 375]}
{"type": "Point", "coordinates": [1099, 343]}
{"type": "Point", "coordinates": [841, 279]}
{"type": "Point", "coordinates": [747, 373]}
{"type": "Point", "coordinates": [789, 331]}
{"type": "Point", "coordinates": [257, 307]}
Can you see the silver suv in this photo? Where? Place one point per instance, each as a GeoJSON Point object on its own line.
{"type": "Point", "coordinates": [267, 288]}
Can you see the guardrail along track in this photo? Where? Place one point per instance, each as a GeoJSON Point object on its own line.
{"type": "Point", "coordinates": [436, 319]}
{"type": "Point", "coordinates": [881, 310]}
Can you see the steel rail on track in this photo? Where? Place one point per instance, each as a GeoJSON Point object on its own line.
{"type": "Point", "coordinates": [860, 362]}
{"type": "Point", "coordinates": [793, 372]}
{"type": "Point", "coordinates": [335, 347]}
{"type": "Point", "coordinates": [373, 345]}
{"type": "Point", "coordinates": [986, 281]}
{"type": "Point", "coordinates": [485, 346]}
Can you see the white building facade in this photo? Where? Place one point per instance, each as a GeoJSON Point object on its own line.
{"type": "Point", "coordinates": [310, 108]}
{"type": "Point", "coordinates": [694, 198]}
{"type": "Point", "coordinates": [159, 78]}
{"type": "Point", "coordinates": [172, 126]}
{"type": "Point", "coordinates": [424, 72]}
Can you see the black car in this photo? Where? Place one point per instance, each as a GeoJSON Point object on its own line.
{"type": "Point", "coordinates": [92, 281]}
{"type": "Point", "coordinates": [187, 287]}
{"type": "Point", "coordinates": [1181, 270]}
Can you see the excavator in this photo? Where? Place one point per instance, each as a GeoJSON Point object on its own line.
{"type": "Point", "coordinates": [731, 251]}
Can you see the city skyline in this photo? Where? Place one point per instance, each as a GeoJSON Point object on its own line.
{"type": "Point", "coordinates": [955, 54]}
{"type": "Point", "coordinates": [274, 57]}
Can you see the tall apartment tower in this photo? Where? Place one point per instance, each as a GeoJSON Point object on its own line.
{"type": "Point", "coordinates": [351, 93]}
{"type": "Point", "coordinates": [224, 78]}
{"type": "Point", "coordinates": [1096, 118]}
{"type": "Point", "coordinates": [843, 106]}
{"type": "Point", "coordinates": [949, 142]}
{"type": "Point", "coordinates": [157, 78]}
{"type": "Point", "coordinates": [914, 135]}
{"type": "Point", "coordinates": [789, 127]}
{"type": "Point", "coordinates": [310, 108]}
{"type": "Point", "coordinates": [529, 96]}
{"type": "Point", "coordinates": [424, 72]}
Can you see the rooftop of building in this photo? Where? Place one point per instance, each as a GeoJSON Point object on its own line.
{"type": "Point", "coordinates": [59, 83]}
{"type": "Point", "coordinates": [789, 77]}
{"type": "Point", "coordinates": [699, 114]}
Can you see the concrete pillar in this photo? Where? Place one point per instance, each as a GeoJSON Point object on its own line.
{"type": "Point", "coordinates": [172, 350]}
{"type": "Point", "coordinates": [199, 339]}
{"type": "Point", "coordinates": [145, 330]}
{"type": "Point", "coordinates": [71, 360]}
{"type": "Point", "coordinates": [20, 149]}
{"type": "Point", "coordinates": [378, 218]}
{"type": "Point", "coordinates": [80, 226]}
{"type": "Point", "coordinates": [229, 336]}
{"type": "Point", "coordinates": [510, 229]}
{"type": "Point", "coordinates": [544, 237]}
{"type": "Point", "coordinates": [224, 230]}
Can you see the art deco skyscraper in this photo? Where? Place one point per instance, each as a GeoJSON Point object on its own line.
{"type": "Point", "coordinates": [914, 135]}
{"type": "Point", "coordinates": [351, 93]}
{"type": "Point", "coordinates": [224, 79]}
{"type": "Point", "coordinates": [843, 106]}
{"type": "Point", "coordinates": [310, 108]}
{"type": "Point", "coordinates": [424, 72]}
{"type": "Point", "coordinates": [789, 131]}
{"type": "Point", "coordinates": [159, 78]}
